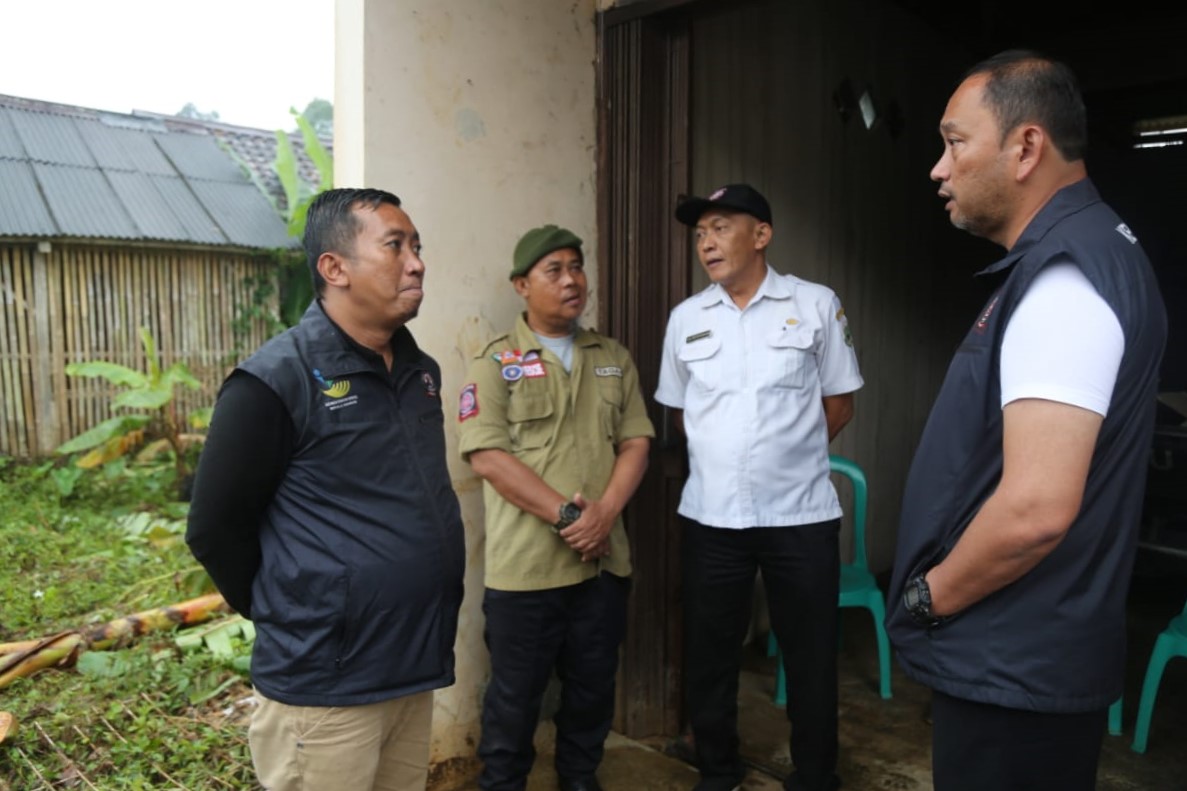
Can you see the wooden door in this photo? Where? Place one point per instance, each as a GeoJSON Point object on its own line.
{"type": "Point", "coordinates": [643, 273]}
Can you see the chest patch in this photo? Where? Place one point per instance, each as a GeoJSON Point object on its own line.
{"type": "Point", "coordinates": [467, 403]}
{"type": "Point", "coordinates": [508, 357]}
{"type": "Point", "coordinates": [430, 386]}
{"type": "Point", "coordinates": [534, 369]}
{"type": "Point", "coordinates": [608, 370]}
{"type": "Point", "coordinates": [699, 336]}
{"type": "Point", "coordinates": [983, 322]}
{"type": "Point", "coordinates": [513, 372]}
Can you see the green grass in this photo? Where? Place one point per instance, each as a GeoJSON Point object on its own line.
{"type": "Point", "coordinates": [147, 716]}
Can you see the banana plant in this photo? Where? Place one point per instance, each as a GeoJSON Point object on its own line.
{"type": "Point", "coordinates": [150, 421]}
{"type": "Point", "coordinates": [296, 286]}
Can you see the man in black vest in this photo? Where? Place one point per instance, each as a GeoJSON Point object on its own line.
{"type": "Point", "coordinates": [1020, 516]}
{"type": "Point", "coordinates": [324, 511]}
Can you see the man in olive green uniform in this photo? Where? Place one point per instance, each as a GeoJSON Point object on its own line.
{"type": "Point", "coordinates": [552, 418]}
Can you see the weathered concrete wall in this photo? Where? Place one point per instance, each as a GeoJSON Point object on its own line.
{"type": "Point", "coordinates": [482, 118]}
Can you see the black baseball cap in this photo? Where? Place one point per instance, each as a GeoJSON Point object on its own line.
{"type": "Point", "coordinates": [739, 197]}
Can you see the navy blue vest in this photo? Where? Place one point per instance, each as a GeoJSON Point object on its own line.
{"type": "Point", "coordinates": [358, 591]}
{"type": "Point", "coordinates": [1054, 640]}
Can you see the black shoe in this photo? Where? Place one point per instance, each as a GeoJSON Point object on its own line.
{"type": "Point", "coordinates": [579, 784]}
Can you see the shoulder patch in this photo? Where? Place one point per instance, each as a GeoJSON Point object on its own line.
{"type": "Point", "coordinates": [467, 405]}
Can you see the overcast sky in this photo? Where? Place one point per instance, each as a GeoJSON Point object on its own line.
{"type": "Point", "coordinates": [248, 60]}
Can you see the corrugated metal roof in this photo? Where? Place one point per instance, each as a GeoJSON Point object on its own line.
{"type": "Point", "coordinates": [22, 217]}
{"type": "Point", "coordinates": [74, 172]}
{"type": "Point", "coordinates": [10, 144]}
{"type": "Point", "coordinates": [49, 138]}
{"type": "Point", "coordinates": [239, 211]}
{"type": "Point", "coordinates": [83, 202]}
{"type": "Point", "coordinates": [197, 157]}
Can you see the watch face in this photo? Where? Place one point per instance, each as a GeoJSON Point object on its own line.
{"type": "Point", "coordinates": [570, 512]}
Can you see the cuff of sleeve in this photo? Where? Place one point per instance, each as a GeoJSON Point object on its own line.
{"type": "Point", "coordinates": [483, 439]}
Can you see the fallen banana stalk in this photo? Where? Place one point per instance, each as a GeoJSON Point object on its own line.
{"type": "Point", "coordinates": [27, 657]}
{"type": "Point", "coordinates": [60, 650]}
{"type": "Point", "coordinates": [7, 726]}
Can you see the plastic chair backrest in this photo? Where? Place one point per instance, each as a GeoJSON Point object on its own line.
{"type": "Point", "coordinates": [850, 469]}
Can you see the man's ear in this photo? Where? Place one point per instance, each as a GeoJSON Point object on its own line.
{"type": "Point", "coordinates": [1030, 140]}
{"type": "Point", "coordinates": [762, 235]}
{"type": "Point", "coordinates": [332, 268]}
{"type": "Point", "coordinates": [521, 285]}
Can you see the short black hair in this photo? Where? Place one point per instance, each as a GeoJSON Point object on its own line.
{"type": "Point", "coordinates": [331, 226]}
{"type": "Point", "coordinates": [1027, 86]}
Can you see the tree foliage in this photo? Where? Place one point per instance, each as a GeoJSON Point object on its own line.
{"type": "Point", "coordinates": [191, 111]}
{"type": "Point", "coordinates": [296, 284]}
{"type": "Point", "coordinates": [320, 115]}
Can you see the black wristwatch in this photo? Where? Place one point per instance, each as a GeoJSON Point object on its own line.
{"type": "Point", "coordinates": [917, 600]}
{"type": "Point", "coordinates": [569, 513]}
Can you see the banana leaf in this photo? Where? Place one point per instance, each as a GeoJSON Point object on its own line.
{"type": "Point", "coordinates": [113, 372]}
{"type": "Point", "coordinates": [112, 427]}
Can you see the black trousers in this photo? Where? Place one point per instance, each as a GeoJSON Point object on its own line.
{"type": "Point", "coordinates": [980, 747]}
{"type": "Point", "coordinates": [800, 568]}
{"type": "Point", "coordinates": [575, 631]}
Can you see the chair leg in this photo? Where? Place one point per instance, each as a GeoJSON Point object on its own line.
{"type": "Point", "coordinates": [1115, 718]}
{"type": "Point", "coordinates": [878, 610]}
{"type": "Point", "coordinates": [780, 680]}
{"type": "Point", "coordinates": [1162, 652]}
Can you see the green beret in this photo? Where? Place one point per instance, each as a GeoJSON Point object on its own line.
{"type": "Point", "coordinates": [539, 242]}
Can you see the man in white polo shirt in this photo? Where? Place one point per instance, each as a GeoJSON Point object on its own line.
{"type": "Point", "coordinates": [760, 370]}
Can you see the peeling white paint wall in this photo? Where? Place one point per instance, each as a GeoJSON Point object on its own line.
{"type": "Point", "coordinates": [482, 118]}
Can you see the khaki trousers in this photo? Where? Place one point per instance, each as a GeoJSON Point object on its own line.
{"type": "Point", "coordinates": [376, 747]}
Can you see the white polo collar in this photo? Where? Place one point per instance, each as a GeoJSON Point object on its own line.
{"type": "Point", "coordinates": [772, 287]}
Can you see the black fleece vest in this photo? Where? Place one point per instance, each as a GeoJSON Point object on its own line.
{"type": "Point", "coordinates": [358, 591]}
{"type": "Point", "coordinates": [1054, 640]}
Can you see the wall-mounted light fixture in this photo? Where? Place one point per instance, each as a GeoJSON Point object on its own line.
{"type": "Point", "coordinates": [868, 107]}
{"type": "Point", "coordinates": [871, 112]}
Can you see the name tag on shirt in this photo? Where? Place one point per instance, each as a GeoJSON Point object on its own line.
{"type": "Point", "coordinates": [700, 336]}
{"type": "Point", "coordinates": [608, 370]}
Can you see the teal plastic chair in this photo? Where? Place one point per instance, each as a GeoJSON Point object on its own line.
{"type": "Point", "coordinates": [1171, 642]}
{"type": "Point", "coordinates": [858, 586]}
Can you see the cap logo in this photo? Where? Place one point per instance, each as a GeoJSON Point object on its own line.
{"type": "Point", "coordinates": [717, 194]}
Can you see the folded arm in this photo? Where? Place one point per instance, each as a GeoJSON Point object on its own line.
{"type": "Point", "coordinates": [243, 461]}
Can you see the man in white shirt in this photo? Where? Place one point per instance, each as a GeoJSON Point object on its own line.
{"type": "Point", "coordinates": [760, 371]}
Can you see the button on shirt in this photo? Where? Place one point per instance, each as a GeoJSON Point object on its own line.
{"type": "Point", "coordinates": [750, 382]}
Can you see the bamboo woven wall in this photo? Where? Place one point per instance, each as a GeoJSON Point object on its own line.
{"type": "Point", "coordinates": [78, 302]}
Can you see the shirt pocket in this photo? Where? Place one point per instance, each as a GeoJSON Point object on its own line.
{"type": "Point", "coordinates": [529, 420]}
{"type": "Point", "coordinates": [610, 405]}
{"type": "Point", "coordinates": [702, 359]}
{"type": "Point", "coordinates": [792, 349]}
